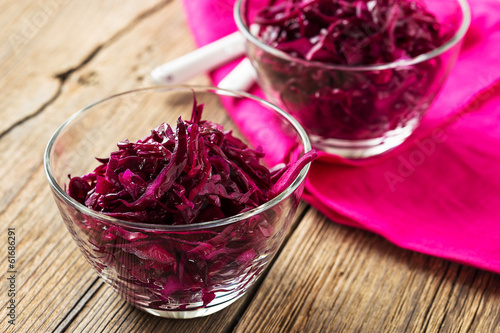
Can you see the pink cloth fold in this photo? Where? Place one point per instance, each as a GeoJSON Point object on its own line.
{"type": "Point", "coordinates": [438, 193]}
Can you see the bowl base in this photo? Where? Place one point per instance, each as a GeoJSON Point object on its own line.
{"type": "Point", "coordinates": [188, 314]}
{"type": "Point", "coordinates": [357, 149]}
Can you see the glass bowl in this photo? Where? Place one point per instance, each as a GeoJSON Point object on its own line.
{"type": "Point", "coordinates": [355, 111]}
{"type": "Point", "coordinates": [174, 271]}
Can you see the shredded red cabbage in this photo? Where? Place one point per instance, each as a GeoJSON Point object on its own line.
{"type": "Point", "coordinates": [350, 104]}
{"type": "Point", "coordinates": [362, 32]}
{"type": "Point", "coordinates": [195, 172]}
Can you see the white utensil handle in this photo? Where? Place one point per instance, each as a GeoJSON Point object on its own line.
{"type": "Point", "coordinates": [202, 60]}
{"type": "Point", "coordinates": [241, 78]}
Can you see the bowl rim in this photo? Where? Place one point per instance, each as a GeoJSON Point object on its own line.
{"type": "Point", "coordinates": [57, 189]}
{"type": "Point", "coordinates": [456, 38]}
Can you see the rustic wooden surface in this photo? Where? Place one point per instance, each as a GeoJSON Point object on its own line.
{"type": "Point", "coordinates": [59, 55]}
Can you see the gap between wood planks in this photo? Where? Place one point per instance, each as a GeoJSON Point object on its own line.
{"type": "Point", "coordinates": [63, 77]}
{"type": "Point", "coordinates": [87, 295]}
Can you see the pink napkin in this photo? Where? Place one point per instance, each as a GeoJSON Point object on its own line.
{"type": "Point", "coordinates": [439, 193]}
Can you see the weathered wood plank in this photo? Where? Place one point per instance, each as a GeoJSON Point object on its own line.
{"type": "Point", "coordinates": [331, 278]}
{"type": "Point", "coordinates": [43, 39]}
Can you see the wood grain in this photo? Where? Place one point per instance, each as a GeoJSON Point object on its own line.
{"type": "Point", "coordinates": [47, 39]}
{"type": "Point", "coordinates": [331, 278]}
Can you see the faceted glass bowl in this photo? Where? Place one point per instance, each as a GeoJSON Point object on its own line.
{"type": "Point", "coordinates": [179, 271]}
{"type": "Point", "coordinates": [356, 111]}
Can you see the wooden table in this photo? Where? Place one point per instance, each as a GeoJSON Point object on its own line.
{"type": "Point", "coordinates": [59, 55]}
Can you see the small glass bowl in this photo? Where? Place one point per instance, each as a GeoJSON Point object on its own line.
{"type": "Point", "coordinates": [176, 271]}
{"type": "Point", "coordinates": [356, 111]}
